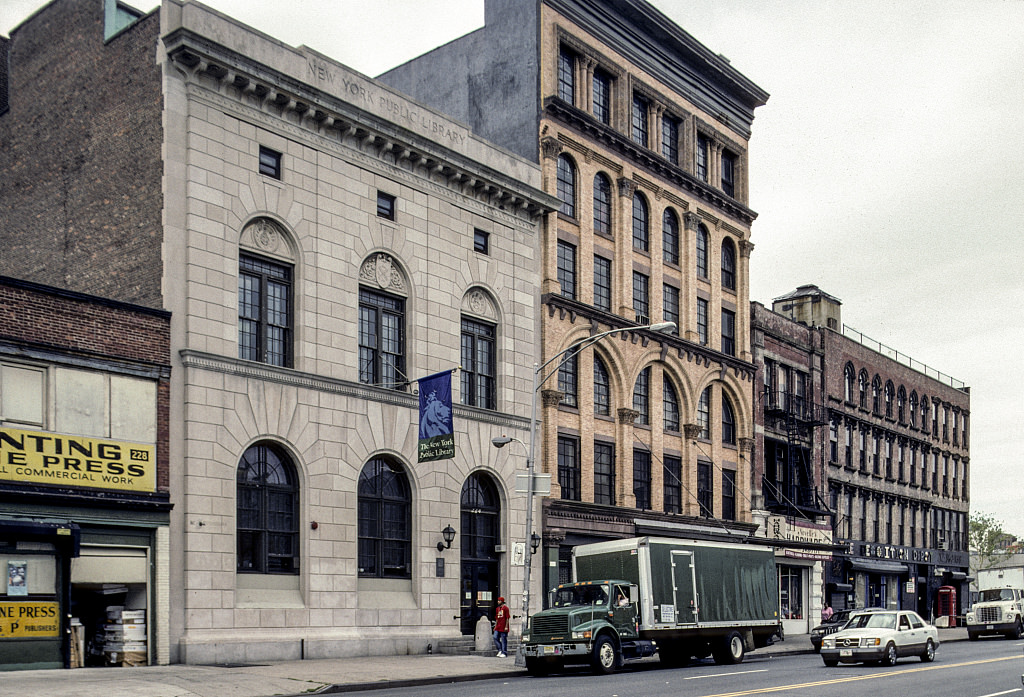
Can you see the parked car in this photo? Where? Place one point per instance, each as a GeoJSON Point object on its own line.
{"type": "Point", "coordinates": [881, 637]}
{"type": "Point", "coordinates": [834, 624]}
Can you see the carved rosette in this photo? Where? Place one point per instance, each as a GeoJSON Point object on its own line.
{"type": "Point", "coordinates": [380, 269]}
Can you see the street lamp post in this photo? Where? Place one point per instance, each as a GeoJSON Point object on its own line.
{"type": "Point", "coordinates": [562, 356]}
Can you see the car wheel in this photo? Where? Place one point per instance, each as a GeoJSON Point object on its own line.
{"type": "Point", "coordinates": [605, 658]}
{"type": "Point", "coordinates": [890, 655]}
{"type": "Point", "coordinates": [929, 652]}
{"type": "Point", "coordinates": [830, 662]}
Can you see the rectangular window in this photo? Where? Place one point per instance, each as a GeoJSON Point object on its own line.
{"type": "Point", "coordinates": [264, 311]}
{"type": "Point", "coordinates": [670, 139]}
{"type": "Point", "coordinates": [673, 478]}
{"type": "Point", "coordinates": [568, 381]}
{"type": "Point", "coordinates": [849, 445]}
{"type": "Point", "coordinates": [642, 479]}
{"type": "Point", "coordinates": [385, 205]}
{"type": "Point", "coordinates": [702, 321]}
{"type": "Point", "coordinates": [705, 495]}
{"type": "Point", "coordinates": [270, 162]}
{"type": "Point", "coordinates": [567, 76]}
{"type": "Point", "coordinates": [639, 120]}
{"type": "Point", "coordinates": [641, 297]}
{"type": "Point", "coordinates": [22, 394]}
{"type": "Point", "coordinates": [728, 495]}
{"type": "Point", "coordinates": [478, 369]}
{"type": "Point", "coordinates": [602, 96]}
{"type": "Point", "coordinates": [569, 468]}
{"type": "Point", "coordinates": [729, 173]}
{"type": "Point", "coordinates": [567, 269]}
{"type": "Point", "coordinates": [703, 149]}
{"type": "Point", "coordinates": [729, 332]}
{"type": "Point", "coordinates": [670, 306]}
{"type": "Point", "coordinates": [833, 442]}
{"type": "Point", "coordinates": [602, 283]}
{"type": "Point", "coordinates": [604, 473]}
{"type": "Point", "coordinates": [481, 242]}
{"type": "Point", "coordinates": [381, 339]}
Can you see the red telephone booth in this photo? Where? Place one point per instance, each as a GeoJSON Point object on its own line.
{"type": "Point", "coordinates": [947, 604]}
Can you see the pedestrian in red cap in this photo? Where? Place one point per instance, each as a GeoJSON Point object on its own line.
{"type": "Point", "coordinates": [502, 615]}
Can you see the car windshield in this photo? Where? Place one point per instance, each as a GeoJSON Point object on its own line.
{"type": "Point", "coordinates": [994, 594]}
{"type": "Point", "coordinates": [580, 595]}
{"type": "Point", "coordinates": [873, 620]}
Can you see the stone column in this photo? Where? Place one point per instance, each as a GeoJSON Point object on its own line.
{"type": "Point", "coordinates": [623, 231]}
{"type": "Point", "coordinates": [550, 148]}
{"type": "Point", "coordinates": [624, 440]}
{"type": "Point", "coordinates": [744, 480]}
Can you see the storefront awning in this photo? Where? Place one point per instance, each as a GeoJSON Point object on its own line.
{"type": "Point", "coordinates": [878, 566]}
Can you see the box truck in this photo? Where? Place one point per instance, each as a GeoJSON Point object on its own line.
{"type": "Point", "coordinates": [681, 599]}
{"type": "Point", "coordinates": [1000, 605]}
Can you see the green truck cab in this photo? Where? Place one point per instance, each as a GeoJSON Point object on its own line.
{"type": "Point", "coordinates": [681, 599]}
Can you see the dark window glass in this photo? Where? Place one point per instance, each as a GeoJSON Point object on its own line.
{"type": "Point", "coordinates": [728, 265]}
{"type": "Point", "coordinates": [602, 205]}
{"type": "Point", "coordinates": [381, 339]}
{"type": "Point", "coordinates": [567, 76]}
{"type": "Point", "coordinates": [567, 186]}
{"type": "Point", "coordinates": [641, 297]}
{"type": "Point", "coordinates": [604, 473]}
{"type": "Point", "coordinates": [567, 269]}
{"type": "Point", "coordinates": [704, 413]}
{"type": "Point", "coordinates": [481, 515]}
{"type": "Point", "coordinates": [602, 388]}
{"type": "Point", "coordinates": [385, 205]}
{"type": "Point", "coordinates": [728, 495]}
{"type": "Point", "coordinates": [670, 306]}
{"type": "Point", "coordinates": [641, 224]}
{"type": "Point", "coordinates": [270, 162]}
{"type": "Point", "coordinates": [702, 251]}
{"type": "Point", "coordinates": [729, 173]}
{"type": "Point", "coordinates": [850, 378]}
{"type": "Point", "coordinates": [705, 494]}
{"type": "Point", "coordinates": [729, 332]}
{"type": "Point", "coordinates": [670, 406]}
{"type": "Point", "coordinates": [642, 397]}
{"type": "Point", "coordinates": [568, 375]}
{"type": "Point", "coordinates": [602, 96]}
{"type": "Point", "coordinates": [670, 139]}
{"type": "Point", "coordinates": [673, 478]}
{"type": "Point", "coordinates": [728, 423]}
{"type": "Point", "coordinates": [481, 242]}
{"type": "Point", "coordinates": [478, 364]}
{"type": "Point", "coordinates": [569, 467]}
{"type": "Point", "coordinates": [385, 537]}
{"type": "Point", "coordinates": [267, 512]}
{"type": "Point", "coordinates": [642, 479]}
{"type": "Point", "coordinates": [703, 148]}
{"type": "Point", "coordinates": [670, 237]}
{"type": "Point", "coordinates": [702, 321]}
{"type": "Point", "coordinates": [603, 283]}
{"type": "Point", "coordinates": [639, 120]}
{"type": "Point", "coordinates": [264, 311]}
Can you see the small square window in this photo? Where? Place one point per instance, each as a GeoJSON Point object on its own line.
{"type": "Point", "coordinates": [270, 162]}
{"type": "Point", "coordinates": [385, 206]}
{"type": "Point", "coordinates": [481, 242]}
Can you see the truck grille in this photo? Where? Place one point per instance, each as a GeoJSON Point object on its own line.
{"type": "Point", "coordinates": [990, 614]}
{"type": "Point", "coordinates": [549, 626]}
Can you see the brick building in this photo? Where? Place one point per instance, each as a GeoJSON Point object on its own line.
{"type": "Point", "coordinates": [84, 474]}
{"type": "Point", "coordinates": [642, 134]}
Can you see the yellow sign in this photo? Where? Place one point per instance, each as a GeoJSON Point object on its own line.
{"type": "Point", "coordinates": [52, 458]}
{"type": "Point", "coordinates": [21, 620]}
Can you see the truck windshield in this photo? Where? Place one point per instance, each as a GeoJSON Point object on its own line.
{"type": "Point", "coordinates": [995, 594]}
{"type": "Point", "coordinates": [580, 595]}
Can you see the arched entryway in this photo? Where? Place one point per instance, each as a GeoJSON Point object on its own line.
{"type": "Point", "coordinates": [481, 522]}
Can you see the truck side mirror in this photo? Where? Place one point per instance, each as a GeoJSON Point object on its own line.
{"type": "Point", "coordinates": [634, 595]}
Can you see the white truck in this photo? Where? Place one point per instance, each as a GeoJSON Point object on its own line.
{"type": "Point", "coordinates": [1000, 605]}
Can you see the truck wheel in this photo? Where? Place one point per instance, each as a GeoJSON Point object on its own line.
{"type": "Point", "coordinates": [890, 655]}
{"type": "Point", "coordinates": [605, 658]}
{"type": "Point", "coordinates": [1016, 631]}
{"type": "Point", "coordinates": [929, 652]}
{"type": "Point", "coordinates": [730, 650]}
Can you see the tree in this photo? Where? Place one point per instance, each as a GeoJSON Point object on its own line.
{"type": "Point", "coordinates": [987, 540]}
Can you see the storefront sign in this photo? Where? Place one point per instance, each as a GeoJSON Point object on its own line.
{"type": "Point", "coordinates": [39, 457]}
{"type": "Point", "coordinates": [23, 620]}
{"type": "Point", "coordinates": [922, 556]}
{"type": "Point", "coordinates": [783, 528]}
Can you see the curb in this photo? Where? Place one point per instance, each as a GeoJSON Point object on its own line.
{"type": "Point", "coordinates": [411, 682]}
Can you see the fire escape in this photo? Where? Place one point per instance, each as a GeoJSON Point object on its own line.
{"type": "Point", "coordinates": [790, 423]}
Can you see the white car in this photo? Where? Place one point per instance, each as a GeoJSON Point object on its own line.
{"type": "Point", "coordinates": [881, 637]}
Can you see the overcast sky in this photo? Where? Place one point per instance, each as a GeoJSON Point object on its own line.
{"type": "Point", "coordinates": [886, 168]}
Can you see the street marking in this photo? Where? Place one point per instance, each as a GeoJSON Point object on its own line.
{"type": "Point", "coordinates": [1004, 692]}
{"type": "Point", "coordinates": [725, 675]}
{"type": "Point", "coordinates": [873, 676]}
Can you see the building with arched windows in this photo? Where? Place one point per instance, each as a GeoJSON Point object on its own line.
{"type": "Point", "coordinates": [642, 136]}
{"type": "Point", "coordinates": [321, 242]}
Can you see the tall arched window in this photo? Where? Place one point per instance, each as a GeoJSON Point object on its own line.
{"type": "Point", "coordinates": [602, 205]}
{"type": "Point", "coordinates": [670, 405]}
{"type": "Point", "coordinates": [642, 397]}
{"type": "Point", "coordinates": [876, 395]}
{"type": "Point", "coordinates": [602, 388]}
{"type": "Point", "coordinates": [901, 405]}
{"type": "Point", "coordinates": [728, 264]}
{"type": "Point", "coordinates": [850, 378]}
{"type": "Point", "coordinates": [670, 237]}
{"type": "Point", "coordinates": [890, 391]}
{"type": "Point", "coordinates": [913, 408]}
{"type": "Point", "coordinates": [481, 509]}
{"type": "Point", "coordinates": [728, 422]}
{"type": "Point", "coordinates": [567, 186]}
{"type": "Point", "coordinates": [702, 251]}
{"type": "Point", "coordinates": [704, 413]}
{"type": "Point", "coordinates": [641, 223]}
{"type": "Point", "coordinates": [267, 495]}
{"type": "Point", "coordinates": [385, 527]}
{"type": "Point", "coordinates": [862, 387]}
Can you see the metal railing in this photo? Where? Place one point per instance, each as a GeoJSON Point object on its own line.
{"type": "Point", "coordinates": [901, 358]}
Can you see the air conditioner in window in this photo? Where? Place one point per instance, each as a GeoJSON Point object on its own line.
{"type": "Point", "coordinates": [643, 319]}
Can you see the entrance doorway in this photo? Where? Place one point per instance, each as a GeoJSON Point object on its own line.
{"type": "Point", "coordinates": [481, 520]}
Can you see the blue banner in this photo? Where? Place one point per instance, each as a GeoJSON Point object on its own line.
{"type": "Point", "coordinates": [437, 434]}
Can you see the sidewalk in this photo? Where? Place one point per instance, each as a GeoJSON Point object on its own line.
{"type": "Point", "coordinates": [297, 677]}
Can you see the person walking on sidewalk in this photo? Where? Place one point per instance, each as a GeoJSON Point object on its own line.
{"type": "Point", "coordinates": [502, 615]}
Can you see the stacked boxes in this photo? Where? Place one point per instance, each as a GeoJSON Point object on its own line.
{"type": "Point", "coordinates": [124, 638]}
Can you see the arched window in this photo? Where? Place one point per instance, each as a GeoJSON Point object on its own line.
{"type": "Point", "coordinates": [704, 413]}
{"type": "Point", "coordinates": [890, 391]}
{"type": "Point", "coordinates": [876, 395]}
{"type": "Point", "coordinates": [925, 406]}
{"type": "Point", "coordinates": [728, 422]}
{"type": "Point", "coordinates": [850, 376]}
{"type": "Point", "coordinates": [641, 224]}
{"type": "Point", "coordinates": [728, 264]}
{"type": "Point", "coordinates": [670, 237]}
{"type": "Point", "coordinates": [567, 186]}
{"type": "Point", "coordinates": [702, 251]}
{"type": "Point", "coordinates": [481, 509]}
{"type": "Point", "coordinates": [385, 527]}
{"type": "Point", "coordinates": [602, 205]}
{"type": "Point", "coordinates": [670, 405]}
{"type": "Point", "coordinates": [267, 495]}
{"type": "Point", "coordinates": [901, 404]}
{"type": "Point", "coordinates": [862, 387]}
{"type": "Point", "coordinates": [642, 397]}
{"type": "Point", "coordinates": [602, 388]}
{"type": "Point", "coordinates": [913, 408]}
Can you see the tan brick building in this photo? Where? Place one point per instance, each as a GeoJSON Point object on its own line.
{"type": "Point", "coordinates": [642, 134]}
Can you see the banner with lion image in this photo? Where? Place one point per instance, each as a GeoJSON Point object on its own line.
{"type": "Point", "coordinates": [437, 434]}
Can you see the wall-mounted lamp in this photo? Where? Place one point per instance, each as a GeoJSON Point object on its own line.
{"type": "Point", "coordinates": [449, 534]}
{"type": "Point", "coordinates": [534, 542]}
